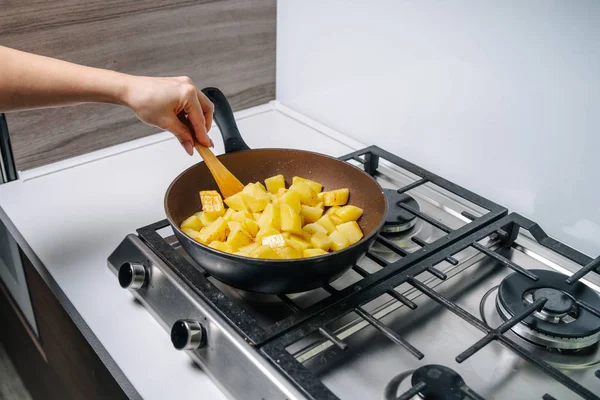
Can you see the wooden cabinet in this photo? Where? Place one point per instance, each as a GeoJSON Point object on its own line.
{"type": "Point", "coordinates": [61, 364]}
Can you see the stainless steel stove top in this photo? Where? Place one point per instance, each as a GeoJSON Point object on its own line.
{"type": "Point", "coordinates": [444, 302]}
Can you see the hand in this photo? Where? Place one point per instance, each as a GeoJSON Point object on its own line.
{"type": "Point", "coordinates": [158, 101]}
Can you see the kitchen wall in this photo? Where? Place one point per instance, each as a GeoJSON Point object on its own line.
{"type": "Point", "coordinates": [500, 97]}
{"type": "Point", "coordinates": [225, 43]}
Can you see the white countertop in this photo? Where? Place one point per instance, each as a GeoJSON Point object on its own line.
{"type": "Point", "coordinates": [74, 213]}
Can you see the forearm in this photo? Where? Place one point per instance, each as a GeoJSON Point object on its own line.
{"type": "Point", "coordinates": [30, 81]}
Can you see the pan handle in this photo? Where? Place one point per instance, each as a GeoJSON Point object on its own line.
{"type": "Point", "coordinates": [223, 116]}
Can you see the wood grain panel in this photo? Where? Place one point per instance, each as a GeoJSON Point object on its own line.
{"type": "Point", "coordinates": [229, 44]}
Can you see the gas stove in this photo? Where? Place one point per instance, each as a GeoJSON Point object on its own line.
{"type": "Point", "coordinates": [456, 299]}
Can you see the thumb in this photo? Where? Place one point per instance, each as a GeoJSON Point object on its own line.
{"type": "Point", "coordinates": [183, 134]}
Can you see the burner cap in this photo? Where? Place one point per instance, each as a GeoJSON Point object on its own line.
{"type": "Point", "coordinates": [561, 323]}
{"type": "Point", "coordinates": [441, 383]}
{"type": "Point", "coordinates": [397, 218]}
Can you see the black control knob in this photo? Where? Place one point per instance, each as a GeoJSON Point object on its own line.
{"type": "Point", "coordinates": [132, 275]}
{"type": "Point", "coordinates": [187, 334]}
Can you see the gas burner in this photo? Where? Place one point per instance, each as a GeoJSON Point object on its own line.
{"type": "Point", "coordinates": [398, 219]}
{"type": "Point", "coordinates": [561, 323]}
{"type": "Point", "coordinates": [431, 382]}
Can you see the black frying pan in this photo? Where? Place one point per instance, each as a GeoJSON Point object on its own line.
{"type": "Point", "coordinates": [273, 276]}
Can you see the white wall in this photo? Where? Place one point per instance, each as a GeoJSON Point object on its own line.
{"type": "Point", "coordinates": [500, 97]}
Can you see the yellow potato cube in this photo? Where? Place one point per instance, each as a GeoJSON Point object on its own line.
{"type": "Point", "coordinates": [254, 203]}
{"type": "Point", "coordinates": [218, 230]}
{"type": "Point", "coordinates": [260, 186]}
{"type": "Point", "coordinates": [265, 232]}
{"type": "Point", "coordinates": [336, 197]}
{"type": "Point", "coordinates": [206, 221]}
{"type": "Point", "coordinates": [349, 213]}
{"type": "Point", "coordinates": [212, 204]}
{"type": "Point", "coordinates": [271, 217]}
{"type": "Point", "coordinates": [236, 202]}
{"type": "Point", "coordinates": [287, 253]}
{"type": "Point", "coordinates": [292, 199]}
{"type": "Point", "coordinates": [241, 216]}
{"type": "Point", "coordinates": [228, 213]}
{"type": "Point", "coordinates": [332, 210]}
{"type": "Point", "coordinates": [297, 243]}
{"type": "Point", "coordinates": [335, 219]}
{"type": "Point", "coordinates": [251, 227]}
{"type": "Point", "coordinates": [314, 228]}
{"type": "Point", "coordinates": [320, 205]}
{"type": "Point", "coordinates": [314, 185]}
{"type": "Point", "coordinates": [191, 232]}
{"type": "Point", "coordinates": [307, 195]}
{"type": "Point", "coordinates": [338, 241]}
{"type": "Point", "coordinates": [273, 241]}
{"type": "Point", "coordinates": [311, 214]}
{"type": "Point", "coordinates": [275, 183]}
{"type": "Point", "coordinates": [351, 231]}
{"type": "Point", "coordinates": [238, 238]}
{"type": "Point", "coordinates": [313, 253]}
{"type": "Point", "coordinates": [221, 246]}
{"type": "Point", "coordinates": [192, 222]}
{"type": "Point", "coordinates": [281, 191]}
{"type": "Point", "coordinates": [242, 254]}
{"type": "Point", "coordinates": [321, 241]}
{"type": "Point", "coordinates": [264, 252]}
{"type": "Point", "coordinates": [256, 216]}
{"type": "Point", "coordinates": [249, 248]}
{"type": "Point", "coordinates": [290, 219]}
{"type": "Point", "coordinates": [326, 222]}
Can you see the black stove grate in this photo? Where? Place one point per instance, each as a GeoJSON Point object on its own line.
{"type": "Point", "coordinates": [505, 231]}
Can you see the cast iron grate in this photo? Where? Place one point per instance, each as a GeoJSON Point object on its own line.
{"type": "Point", "coordinates": [504, 230]}
{"type": "Point", "coordinates": [370, 159]}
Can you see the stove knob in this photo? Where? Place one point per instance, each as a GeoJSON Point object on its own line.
{"type": "Point", "coordinates": [187, 334]}
{"type": "Point", "coordinates": [132, 275]}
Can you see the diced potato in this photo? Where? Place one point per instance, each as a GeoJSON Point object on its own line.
{"type": "Point", "coordinates": [265, 232]}
{"type": "Point", "coordinates": [264, 252]}
{"type": "Point", "coordinates": [349, 213]}
{"type": "Point", "coordinates": [335, 219]}
{"type": "Point", "coordinates": [206, 221]}
{"type": "Point", "coordinates": [251, 227]}
{"type": "Point", "coordinates": [305, 235]}
{"type": "Point", "coordinates": [192, 222]}
{"type": "Point", "coordinates": [311, 214]}
{"type": "Point", "coordinates": [254, 203]}
{"type": "Point", "coordinates": [314, 228]}
{"type": "Point", "coordinates": [321, 241]}
{"type": "Point", "coordinates": [271, 217]}
{"type": "Point", "coordinates": [249, 248]}
{"type": "Point", "coordinates": [241, 216]}
{"type": "Point", "coordinates": [215, 244]}
{"type": "Point", "coordinates": [292, 199]}
{"type": "Point", "coordinates": [326, 222]}
{"type": "Point", "coordinates": [236, 202]}
{"type": "Point", "coordinates": [212, 204]}
{"type": "Point", "coordinates": [320, 196]}
{"type": "Point", "coordinates": [261, 186]}
{"type": "Point", "coordinates": [351, 231]}
{"type": "Point", "coordinates": [338, 241]}
{"type": "Point", "coordinates": [290, 219]}
{"type": "Point", "coordinates": [228, 213]}
{"type": "Point", "coordinates": [241, 253]}
{"type": "Point", "coordinates": [297, 243]}
{"type": "Point", "coordinates": [313, 252]}
{"type": "Point", "coordinates": [256, 216]}
{"type": "Point", "coordinates": [336, 197]}
{"type": "Point", "coordinates": [281, 191]}
{"type": "Point", "coordinates": [275, 183]}
{"type": "Point", "coordinates": [320, 205]}
{"type": "Point", "coordinates": [238, 238]}
{"type": "Point", "coordinates": [191, 232]}
{"type": "Point", "coordinates": [287, 253]}
{"type": "Point", "coordinates": [273, 241]}
{"type": "Point", "coordinates": [307, 195]}
{"type": "Point", "coordinates": [332, 210]}
{"type": "Point", "coordinates": [314, 185]}
{"type": "Point", "coordinates": [218, 230]}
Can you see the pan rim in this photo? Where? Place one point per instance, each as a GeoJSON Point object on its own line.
{"type": "Point", "coordinates": [273, 261]}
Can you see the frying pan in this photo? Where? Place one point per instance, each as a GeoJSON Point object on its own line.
{"type": "Point", "coordinates": [264, 275]}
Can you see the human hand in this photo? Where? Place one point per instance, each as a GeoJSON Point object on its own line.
{"type": "Point", "coordinates": [159, 101]}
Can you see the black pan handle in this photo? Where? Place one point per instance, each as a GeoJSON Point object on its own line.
{"type": "Point", "coordinates": [223, 116]}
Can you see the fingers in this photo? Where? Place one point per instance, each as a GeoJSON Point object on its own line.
{"type": "Point", "coordinates": [183, 134]}
{"type": "Point", "coordinates": [207, 108]}
{"type": "Point", "coordinates": [196, 117]}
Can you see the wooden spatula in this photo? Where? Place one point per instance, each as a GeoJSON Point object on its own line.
{"type": "Point", "coordinates": [227, 182]}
